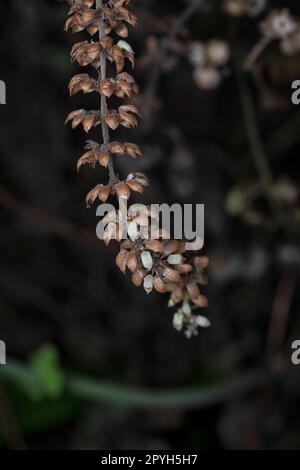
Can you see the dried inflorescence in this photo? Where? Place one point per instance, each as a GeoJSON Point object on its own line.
{"type": "Point", "coordinates": [281, 26]}
{"type": "Point", "coordinates": [208, 59]}
{"type": "Point", "coordinates": [154, 260]}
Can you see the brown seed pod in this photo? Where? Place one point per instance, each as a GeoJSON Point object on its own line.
{"type": "Point", "coordinates": [159, 285]}
{"type": "Point", "coordinates": [154, 245]}
{"type": "Point", "coordinates": [193, 290]}
{"type": "Point", "coordinates": [138, 277]}
{"type": "Point", "coordinates": [184, 268]}
{"type": "Point", "coordinates": [201, 301]}
{"type": "Point", "coordinates": [171, 275]}
{"type": "Point", "coordinates": [121, 260]}
{"type": "Point", "coordinates": [201, 261]}
{"type": "Point", "coordinates": [122, 190]}
{"type": "Point", "coordinates": [132, 261]}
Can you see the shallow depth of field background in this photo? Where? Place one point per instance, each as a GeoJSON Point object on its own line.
{"type": "Point", "coordinates": [64, 306]}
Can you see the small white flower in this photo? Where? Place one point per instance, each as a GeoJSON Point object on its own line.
{"type": "Point", "coordinates": [148, 284]}
{"type": "Point", "coordinates": [218, 52]}
{"type": "Point", "coordinates": [175, 259]}
{"type": "Point", "coordinates": [197, 54]}
{"type": "Point", "coordinates": [133, 231]}
{"type": "Point", "coordinates": [202, 321]}
{"type": "Point", "coordinates": [178, 320]}
{"type": "Point", "coordinates": [130, 176]}
{"type": "Point", "coordinates": [279, 24]}
{"type": "Point", "coordinates": [186, 308]}
{"type": "Point", "coordinates": [124, 45]}
{"type": "Point", "coordinates": [291, 44]}
{"type": "Point", "coordinates": [207, 77]}
{"type": "Point", "coordinates": [190, 331]}
{"type": "Point", "coordinates": [147, 260]}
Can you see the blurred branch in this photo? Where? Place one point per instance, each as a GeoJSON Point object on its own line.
{"type": "Point", "coordinates": [162, 51]}
{"type": "Point", "coordinates": [254, 139]}
{"type": "Point", "coordinates": [256, 52]}
{"type": "Point", "coordinates": [279, 142]}
{"type": "Point", "coordinates": [54, 224]}
{"type": "Point", "coordinates": [280, 311]}
{"type": "Point", "coordinates": [120, 395]}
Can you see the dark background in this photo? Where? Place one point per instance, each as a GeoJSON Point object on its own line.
{"type": "Point", "coordinates": [64, 306]}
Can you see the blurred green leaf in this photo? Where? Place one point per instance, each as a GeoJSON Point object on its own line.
{"type": "Point", "coordinates": [235, 203]}
{"type": "Point", "coordinates": [50, 378]}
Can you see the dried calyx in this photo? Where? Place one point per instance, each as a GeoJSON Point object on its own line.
{"type": "Point", "coordinates": [155, 262]}
{"type": "Point", "coordinates": [281, 26]}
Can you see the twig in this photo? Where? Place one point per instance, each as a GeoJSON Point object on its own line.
{"type": "Point", "coordinates": [254, 139]}
{"type": "Point", "coordinates": [53, 223]}
{"type": "Point", "coordinates": [120, 395]}
{"type": "Point", "coordinates": [162, 51]}
{"type": "Point", "coordinates": [256, 52]}
{"type": "Point", "coordinates": [280, 311]}
{"type": "Point", "coordinates": [276, 144]}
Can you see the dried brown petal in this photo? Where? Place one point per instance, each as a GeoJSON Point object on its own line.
{"type": "Point", "coordinates": [109, 233]}
{"type": "Point", "coordinates": [121, 260]}
{"type": "Point", "coordinates": [92, 195]}
{"type": "Point", "coordinates": [201, 261]}
{"type": "Point", "coordinates": [82, 82]}
{"type": "Point", "coordinates": [135, 186]}
{"type": "Point", "coordinates": [171, 247]}
{"type": "Point", "coordinates": [117, 56]}
{"type": "Point", "coordinates": [88, 122]}
{"type": "Point", "coordinates": [201, 301]}
{"type": "Point", "coordinates": [107, 87]}
{"type": "Point", "coordinates": [184, 268]}
{"type": "Point", "coordinates": [176, 297]}
{"type": "Point", "coordinates": [88, 158]}
{"type": "Point", "coordinates": [129, 108]}
{"type": "Point", "coordinates": [122, 190]}
{"type": "Point", "coordinates": [133, 150]}
{"type": "Point", "coordinates": [138, 277]}
{"type": "Point", "coordinates": [141, 178]}
{"type": "Point", "coordinates": [75, 116]}
{"type": "Point", "coordinates": [104, 158]}
{"type": "Point", "coordinates": [171, 275]}
{"type": "Point", "coordinates": [132, 261]}
{"type": "Point", "coordinates": [159, 285]}
{"type": "Point", "coordinates": [110, 217]}
{"type": "Point", "coordinates": [154, 245]}
{"type": "Point", "coordinates": [104, 192]}
{"type": "Point", "coordinates": [106, 42]}
{"type": "Point", "coordinates": [122, 30]}
{"type": "Point", "coordinates": [116, 147]}
{"type": "Point", "coordinates": [127, 245]}
{"type": "Point", "coordinates": [193, 290]}
{"type": "Point", "coordinates": [112, 120]}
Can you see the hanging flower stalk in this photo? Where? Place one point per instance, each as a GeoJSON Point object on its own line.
{"type": "Point", "coordinates": [154, 261]}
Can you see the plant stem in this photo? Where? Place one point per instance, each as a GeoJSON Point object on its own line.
{"type": "Point", "coordinates": [254, 139]}
{"type": "Point", "coordinates": [256, 52]}
{"type": "Point", "coordinates": [94, 389]}
{"type": "Point", "coordinates": [102, 76]}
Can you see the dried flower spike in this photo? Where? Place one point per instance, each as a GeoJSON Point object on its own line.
{"type": "Point", "coordinates": [156, 264]}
